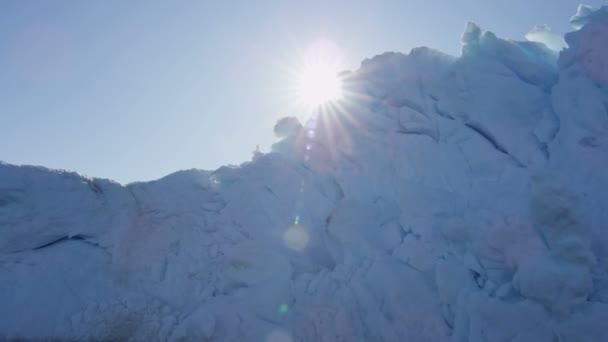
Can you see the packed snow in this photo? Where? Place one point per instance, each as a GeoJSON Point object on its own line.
{"type": "Point", "coordinates": [444, 199]}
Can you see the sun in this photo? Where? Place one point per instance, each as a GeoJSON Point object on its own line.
{"type": "Point", "coordinates": [318, 83]}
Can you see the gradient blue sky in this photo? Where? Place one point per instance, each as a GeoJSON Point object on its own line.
{"type": "Point", "coordinates": [134, 90]}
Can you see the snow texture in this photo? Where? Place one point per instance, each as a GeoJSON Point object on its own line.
{"type": "Point", "coordinates": [451, 199]}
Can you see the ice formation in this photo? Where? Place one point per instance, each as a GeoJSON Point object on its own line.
{"type": "Point", "coordinates": [446, 199]}
{"type": "Point", "coordinates": [544, 34]}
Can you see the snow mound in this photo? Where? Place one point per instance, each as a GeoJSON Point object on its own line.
{"type": "Point", "coordinates": [449, 199]}
{"type": "Point", "coordinates": [531, 62]}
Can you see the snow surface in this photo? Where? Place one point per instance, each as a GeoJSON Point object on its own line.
{"type": "Point", "coordinates": [448, 199]}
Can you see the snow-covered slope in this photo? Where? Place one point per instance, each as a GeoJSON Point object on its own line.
{"type": "Point", "coordinates": [445, 199]}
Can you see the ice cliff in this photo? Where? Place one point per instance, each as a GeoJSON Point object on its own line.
{"type": "Point", "coordinates": [444, 199]}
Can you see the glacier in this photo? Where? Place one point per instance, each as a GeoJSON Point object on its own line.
{"type": "Point", "coordinates": [445, 199]}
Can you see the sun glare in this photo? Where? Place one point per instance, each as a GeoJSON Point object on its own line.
{"type": "Point", "coordinates": [318, 83]}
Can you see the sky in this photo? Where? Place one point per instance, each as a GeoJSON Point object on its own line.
{"type": "Point", "coordinates": [135, 90]}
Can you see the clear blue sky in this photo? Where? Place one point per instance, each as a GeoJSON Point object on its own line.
{"type": "Point", "coordinates": [134, 90]}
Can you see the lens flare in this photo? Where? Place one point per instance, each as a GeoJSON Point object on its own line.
{"type": "Point", "coordinates": [296, 237]}
{"type": "Point", "coordinates": [279, 336]}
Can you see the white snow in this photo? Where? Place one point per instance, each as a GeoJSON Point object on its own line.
{"type": "Point", "coordinates": [451, 199]}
